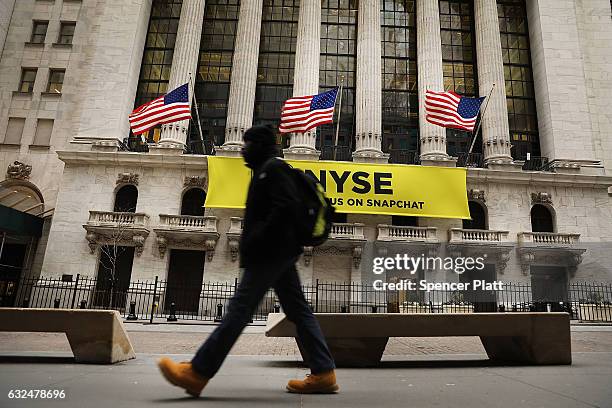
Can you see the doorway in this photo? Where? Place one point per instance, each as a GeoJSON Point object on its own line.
{"type": "Point", "coordinates": [12, 258]}
{"type": "Point", "coordinates": [114, 274]}
{"type": "Point", "coordinates": [184, 285]}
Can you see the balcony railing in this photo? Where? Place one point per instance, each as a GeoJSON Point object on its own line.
{"type": "Point", "coordinates": [470, 160]}
{"type": "Point", "coordinates": [459, 235]}
{"type": "Point", "coordinates": [347, 231]}
{"type": "Point", "coordinates": [403, 156]}
{"type": "Point", "coordinates": [118, 218]}
{"type": "Point", "coordinates": [548, 238]}
{"type": "Point", "coordinates": [199, 223]}
{"type": "Point", "coordinates": [338, 153]}
{"type": "Point", "coordinates": [410, 234]}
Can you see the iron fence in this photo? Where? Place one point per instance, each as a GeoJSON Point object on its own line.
{"type": "Point", "coordinates": [161, 300]}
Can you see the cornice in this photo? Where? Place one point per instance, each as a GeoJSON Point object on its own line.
{"type": "Point", "coordinates": [595, 181]}
{"type": "Point", "coordinates": [150, 160]}
{"type": "Point", "coordinates": [200, 162]}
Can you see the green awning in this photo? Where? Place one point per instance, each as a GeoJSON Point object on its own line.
{"type": "Point", "coordinates": [20, 223]}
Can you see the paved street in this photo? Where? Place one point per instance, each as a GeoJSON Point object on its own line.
{"type": "Point", "coordinates": [440, 372]}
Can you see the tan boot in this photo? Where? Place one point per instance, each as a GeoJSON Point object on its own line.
{"type": "Point", "coordinates": [324, 383]}
{"type": "Point", "coordinates": [182, 375]}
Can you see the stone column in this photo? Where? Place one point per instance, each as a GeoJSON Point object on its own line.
{"type": "Point", "coordinates": [430, 76]}
{"type": "Point", "coordinates": [368, 100]}
{"type": "Point", "coordinates": [184, 62]}
{"type": "Point", "coordinates": [495, 128]}
{"type": "Point", "coordinates": [244, 77]}
{"type": "Point", "coordinates": [306, 73]}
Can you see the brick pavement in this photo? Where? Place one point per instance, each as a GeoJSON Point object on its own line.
{"type": "Point", "coordinates": [258, 344]}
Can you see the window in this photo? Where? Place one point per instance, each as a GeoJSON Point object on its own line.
{"type": "Point", "coordinates": [404, 221]}
{"type": "Point", "coordinates": [39, 32]}
{"type": "Point", "coordinates": [522, 117]}
{"type": "Point", "coordinates": [214, 68]}
{"type": "Point", "coordinates": [56, 80]}
{"type": "Point", "coordinates": [458, 62]}
{"type": "Point", "coordinates": [339, 59]}
{"type": "Point", "coordinates": [541, 219]}
{"type": "Point", "coordinates": [479, 217]}
{"type": "Point", "coordinates": [42, 137]}
{"type": "Point", "coordinates": [158, 54]}
{"type": "Point", "coordinates": [126, 198]}
{"type": "Point", "coordinates": [66, 33]}
{"type": "Point", "coordinates": [193, 202]}
{"type": "Point", "coordinates": [276, 59]}
{"type": "Point", "coordinates": [14, 130]}
{"type": "Point", "coordinates": [28, 76]}
{"type": "Point", "coordinates": [399, 88]}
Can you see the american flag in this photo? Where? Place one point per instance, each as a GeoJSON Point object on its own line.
{"type": "Point", "coordinates": [302, 113]}
{"type": "Point", "coordinates": [169, 108]}
{"type": "Point", "coordinates": [451, 110]}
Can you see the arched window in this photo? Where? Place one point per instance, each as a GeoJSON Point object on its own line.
{"type": "Point", "coordinates": [193, 202]}
{"type": "Point", "coordinates": [541, 219]}
{"type": "Point", "coordinates": [126, 198]}
{"type": "Point", "coordinates": [479, 217]}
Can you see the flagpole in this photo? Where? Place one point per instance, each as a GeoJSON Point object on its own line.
{"type": "Point", "coordinates": [192, 84]}
{"type": "Point", "coordinates": [338, 118]}
{"type": "Point", "coordinates": [480, 121]}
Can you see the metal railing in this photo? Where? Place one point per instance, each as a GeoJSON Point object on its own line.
{"type": "Point", "coordinates": [403, 156]}
{"type": "Point", "coordinates": [338, 153]}
{"type": "Point", "coordinates": [164, 300]}
{"type": "Point", "coordinates": [470, 160]}
{"type": "Point", "coordinates": [200, 147]}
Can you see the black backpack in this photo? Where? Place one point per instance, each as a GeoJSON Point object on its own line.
{"type": "Point", "coordinates": [315, 211]}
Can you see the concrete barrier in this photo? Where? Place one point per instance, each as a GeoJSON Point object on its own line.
{"type": "Point", "coordinates": [95, 336]}
{"type": "Point", "coordinates": [359, 339]}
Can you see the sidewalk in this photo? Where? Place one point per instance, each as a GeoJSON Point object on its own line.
{"type": "Point", "coordinates": [416, 372]}
{"type": "Point", "coordinates": [258, 381]}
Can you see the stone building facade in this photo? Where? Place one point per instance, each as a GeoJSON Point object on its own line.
{"type": "Point", "coordinates": [540, 182]}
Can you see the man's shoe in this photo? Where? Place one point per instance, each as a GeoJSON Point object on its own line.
{"type": "Point", "coordinates": [324, 383]}
{"type": "Point", "coordinates": [182, 375]}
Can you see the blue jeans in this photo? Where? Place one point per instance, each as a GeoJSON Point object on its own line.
{"type": "Point", "coordinates": [283, 277]}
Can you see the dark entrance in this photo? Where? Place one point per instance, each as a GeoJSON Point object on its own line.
{"type": "Point", "coordinates": [12, 258]}
{"type": "Point", "coordinates": [126, 198]}
{"type": "Point", "coordinates": [193, 202]}
{"type": "Point", "coordinates": [541, 219]}
{"type": "Point", "coordinates": [185, 275]}
{"type": "Point", "coordinates": [483, 300]}
{"type": "Point", "coordinates": [114, 273]}
{"type": "Point", "coordinates": [404, 221]}
{"type": "Point", "coordinates": [479, 217]}
{"type": "Point", "coordinates": [549, 285]}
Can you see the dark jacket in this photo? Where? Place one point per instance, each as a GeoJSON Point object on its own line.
{"type": "Point", "coordinates": [268, 232]}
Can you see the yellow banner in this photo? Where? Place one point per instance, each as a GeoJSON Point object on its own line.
{"type": "Point", "coordinates": [388, 189]}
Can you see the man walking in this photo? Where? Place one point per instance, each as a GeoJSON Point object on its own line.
{"type": "Point", "coordinates": [269, 249]}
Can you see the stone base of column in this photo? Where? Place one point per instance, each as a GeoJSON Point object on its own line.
{"type": "Point", "coordinates": [370, 156]}
{"type": "Point", "coordinates": [229, 150]}
{"type": "Point", "coordinates": [167, 148]}
{"type": "Point", "coordinates": [301, 153]}
{"type": "Point", "coordinates": [105, 145]}
{"type": "Point", "coordinates": [503, 165]}
{"type": "Point", "coordinates": [438, 160]}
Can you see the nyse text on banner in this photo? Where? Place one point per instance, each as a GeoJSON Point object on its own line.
{"type": "Point", "coordinates": [357, 188]}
